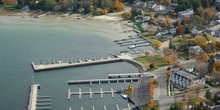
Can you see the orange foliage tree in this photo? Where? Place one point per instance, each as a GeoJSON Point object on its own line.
{"type": "Point", "coordinates": [151, 86]}
{"type": "Point", "coordinates": [216, 66]}
{"type": "Point", "coordinates": [203, 45]}
{"type": "Point", "coordinates": [104, 11]}
{"type": "Point", "coordinates": [118, 6]}
{"type": "Point", "coordinates": [203, 57]}
{"type": "Point", "coordinates": [194, 42]}
{"type": "Point", "coordinates": [151, 31]}
{"type": "Point", "coordinates": [168, 19]}
{"type": "Point", "coordinates": [8, 1]}
{"type": "Point", "coordinates": [164, 24]}
{"type": "Point", "coordinates": [217, 44]}
{"type": "Point", "coordinates": [153, 20]}
{"type": "Point", "coordinates": [151, 14]}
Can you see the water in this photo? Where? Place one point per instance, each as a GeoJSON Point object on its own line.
{"type": "Point", "coordinates": [23, 40]}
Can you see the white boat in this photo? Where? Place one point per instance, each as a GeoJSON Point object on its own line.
{"type": "Point", "coordinates": [125, 96]}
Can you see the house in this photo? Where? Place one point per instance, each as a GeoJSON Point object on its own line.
{"type": "Point", "coordinates": [194, 31]}
{"type": "Point", "coordinates": [140, 4]}
{"type": "Point", "coordinates": [169, 36]}
{"type": "Point", "coordinates": [185, 79]}
{"type": "Point", "coordinates": [195, 50]}
{"type": "Point", "coordinates": [150, 4]}
{"type": "Point", "coordinates": [208, 31]}
{"type": "Point", "coordinates": [173, 30]}
{"type": "Point", "coordinates": [146, 18]}
{"type": "Point", "coordinates": [156, 7]}
{"type": "Point", "coordinates": [187, 12]}
{"type": "Point", "coordinates": [145, 26]}
{"type": "Point", "coordinates": [25, 9]}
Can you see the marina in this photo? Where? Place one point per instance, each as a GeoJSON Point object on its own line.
{"type": "Point", "coordinates": [123, 75]}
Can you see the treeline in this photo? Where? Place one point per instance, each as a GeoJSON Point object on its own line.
{"type": "Point", "coordinates": [83, 6]}
{"type": "Point", "coordinates": [194, 4]}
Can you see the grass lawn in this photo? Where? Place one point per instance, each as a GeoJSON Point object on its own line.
{"type": "Point", "coordinates": [118, 15]}
{"type": "Point", "coordinates": [158, 61]}
{"type": "Point", "coordinates": [184, 54]}
{"type": "Point", "coordinates": [9, 7]}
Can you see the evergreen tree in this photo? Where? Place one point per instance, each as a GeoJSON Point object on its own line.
{"type": "Point", "coordinates": [171, 44]}
{"type": "Point", "coordinates": [208, 95]}
{"type": "Point", "coordinates": [211, 64]}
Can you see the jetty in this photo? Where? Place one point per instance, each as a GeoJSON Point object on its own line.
{"type": "Point", "coordinates": [101, 92]}
{"type": "Point", "coordinates": [43, 67]}
{"type": "Point", "coordinates": [135, 43]}
{"type": "Point", "coordinates": [99, 81]}
{"type": "Point", "coordinates": [42, 15]}
{"type": "Point", "coordinates": [33, 97]}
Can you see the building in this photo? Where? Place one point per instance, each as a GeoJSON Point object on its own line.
{"type": "Point", "coordinates": [146, 18]}
{"type": "Point", "coordinates": [195, 50]}
{"type": "Point", "coordinates": [156, 7]}
{"type": "Point", "coordinates": [185, 79]}
{"type": "Point", "coordinates": [187, 12]}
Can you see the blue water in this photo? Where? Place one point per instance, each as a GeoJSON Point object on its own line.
{"type": "Point", "coordinates": [23, 40]}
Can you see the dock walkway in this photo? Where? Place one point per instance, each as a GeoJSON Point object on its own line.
{"type": "Point", "coordinates": [90, 81]}
{"type": "Point", "coordinates": [33, 97]}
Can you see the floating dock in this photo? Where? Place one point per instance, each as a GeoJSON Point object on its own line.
{"type": "Point", "coordinates": [33, 97]}
{"type": "Point", "coordinates": [116, 80]}
{"type": "Point", "coordinates": [129, 75]}
{"type": "Point", "coordinates": [101, 92]}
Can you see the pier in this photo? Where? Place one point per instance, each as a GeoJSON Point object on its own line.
{"type": "Point", "coordinates": [123, 75]}
{"type": "Point", "coordinates": [115, 80]}
{"type": "Point", "coordinates": [43, 67]}
{"type": "Point", "coordinates": [135, 43]}
{"type": "Point", "coordinates": [33, 97]}
{"type": "Point", "coordinates": [101, 92]}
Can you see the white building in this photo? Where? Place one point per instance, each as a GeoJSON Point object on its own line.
{"type": "Point", "coordinates": [156, 7]}
{"type": "Point", "coordinates": [187, 12]}
{"type": "Point", "coordinates": [195, 50]}
{"type": "Point", "coordinates": [185, 79]}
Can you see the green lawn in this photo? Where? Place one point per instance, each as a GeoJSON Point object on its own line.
{"type": "Point", "coordinates": [10, 7]}
{"type": "Point", "coordinates": [158, 61]}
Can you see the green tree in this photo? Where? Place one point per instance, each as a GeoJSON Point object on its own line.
{"type": "Point", "coordinates": [197, 20]}
{"type": "Point", "coordinates": [156, 44]}
{"type": "Point", "coordinates": [126, 15]}
{"type": "Point", "coordinates": [208, 95]}
{"type": "Point", "coordinates": [211, 64]}
{"type": "Point", "coordinates": [171, 44]}
{"type": "Point", "coordinates": [98, 11]}
{"type": "Point", "coordinates": [47, 5]}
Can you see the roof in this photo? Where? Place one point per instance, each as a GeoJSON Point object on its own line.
{"type": "Point", "coordinates": [186, 74]}
{"type": "Point", "coordinates": [195, 47]}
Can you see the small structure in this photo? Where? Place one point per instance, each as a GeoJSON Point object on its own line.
{"type": "Point", "coordinates": [194, 31]}
{"type": "Point", "coordinates": [146, 18]}
{"type": "Point", "coordinates": [195, 50]}
{"type": "Point", "coordinates": [156, 7]}
{"type": "Point", "coordinates": [185, 79]}
{"type": "Point", "coordinates": [187, 12]}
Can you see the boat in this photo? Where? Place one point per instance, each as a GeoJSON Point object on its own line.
{"type": "Point", "coordinates": [125, 96]}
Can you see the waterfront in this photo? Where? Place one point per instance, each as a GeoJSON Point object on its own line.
{"type": "Point", "coordinates": [24, 40]}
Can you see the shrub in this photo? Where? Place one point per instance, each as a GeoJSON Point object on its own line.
{"type": "Point", "coordinates": [152, 66]}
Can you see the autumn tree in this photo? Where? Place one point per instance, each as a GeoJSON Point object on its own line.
{"type": "Point", "coordinates": [8, 2]}
{"type": "Point", "coordinates": [156, 44]}
{"type": "Point", "coordinates": [164, 24]}
{"type": "Point", "coordinates": [194, 42]}
{"type": "Point", "coordinates": [179, 30]}
{"type": "Point", "coordinates": [151, 31]}
{"type": "Point", "coordinates": [98, 11]}
{"type": "Point", "coordinates": [166, 2]}
{"type": "Point", "coordinates": [209, 12]}
{"type": "Point", "coordinates": [203, 57]}
{"type": "Point", "coordinates": [155, 82]}
{"type": "Point", "coordinates": [118, 6]}
{"type": "Point", "coordinates": [200, 39]}
{"type": "Point", "coordinates": [217, 44]}
{"type": "Point", "coordinates": [203, 45]}
{"type": "Point", "coordinates": [168, 19]}
{"type": "Point", "coordinates": [200, 10]}
{"type": "Point", "coordinates": [153, 20]}
{"type": "Point", "coordinates": [151, 88]}
{"type": "Point", "coordinates": [151, 14]}
{"type": "Point", "coordinates": [216, 66]}
{"type": "Point", "coordinates": [126, 15]}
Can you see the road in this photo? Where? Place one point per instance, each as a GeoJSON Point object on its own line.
{"type": "Point", "coordinates": [127, 8]}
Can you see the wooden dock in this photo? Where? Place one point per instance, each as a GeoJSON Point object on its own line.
{"type": "Point", "coordinates": [101, 92]}
{"type": "Point", "coordinates": [127, 75]}
{"type": "Point", "coordinates": [99, 81]}
{"type": "Point", "coordinates": [33, 97]}
{"type": "Point", "coordinates": [43, 67]}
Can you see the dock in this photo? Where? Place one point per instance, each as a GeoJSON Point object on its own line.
{"type": "Point", "coordinates": [115, 80]}
{"type": "Point", "coordinates": [101, 92]}
{"type": "Point", "coordinates": [123, 75]}
{"type": "Point", "coordinates": [33, 97]}
{"type": "Point", "coordinates": [135, 43]}
{"type": "Point", "coordinates": [43, 67]}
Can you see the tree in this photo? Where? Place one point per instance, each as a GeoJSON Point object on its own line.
{"type": "Point", "coordinates": [200, 39]}
{"type": "Point", "coordinates": [210, 38]}
{"type": "Point", "coordinates": [130, 88]}
{"type": "Point", "coordinates": [168, 19]}
{"type": "Point", "coordinates": [217, 44]}
{"type": "Point", "coordinates": [156, 44]}
{"type": "Point", "coordinates": [211, 64]}
{"type": "Point", "coordinates": [47, 5]}
{"type": "Point", "coordinates": [217, 65]}
{"type": "Point", "coordinates": [104, 11]}
{"type": "Point", "coordinates": [91, 7]}
{"type": "Point", "coordinates": [166, 2]}
{"type": "Point", "coordinates": [197, 20]}
{"type": "Point", "coordinates": [151, 14]}
{"type": "Point", "coordinates": [209, 12]}
{"type": "Point", "coordinates": [203, 45]}
{"type": "Point", "coordinates": [171, 44]}
{"type": "Point", "coordinates": [203, 57]}
{"type": "Point", "coordinates": [151, 31]}
{"type": "Point", "coordinates": [155, 82]}
{"type": "Point", "coordinates": [200, 10]}
{"type": "Point", "coordinates": [8, 2]}
{"type": "Point", "coordinates": [152, 66]}
{"type": "Point", "coordinates": [179, 30]}
{"type": "Point", "coordinates": [153, 20]}
{"type": "Point", "coordinates": [126, 15]}
{"type": "Point", "coordinates": [164, 24]}
{"type": "Point", "coordinates": [118, 6]}
{"type": "Point", "coordinates": [208, 95]}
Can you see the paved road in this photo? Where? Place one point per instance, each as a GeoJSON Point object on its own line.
{"type": "Point", "coordinates": [117, 13]}
{"type": "Point", "coordinates": [161, 91]}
